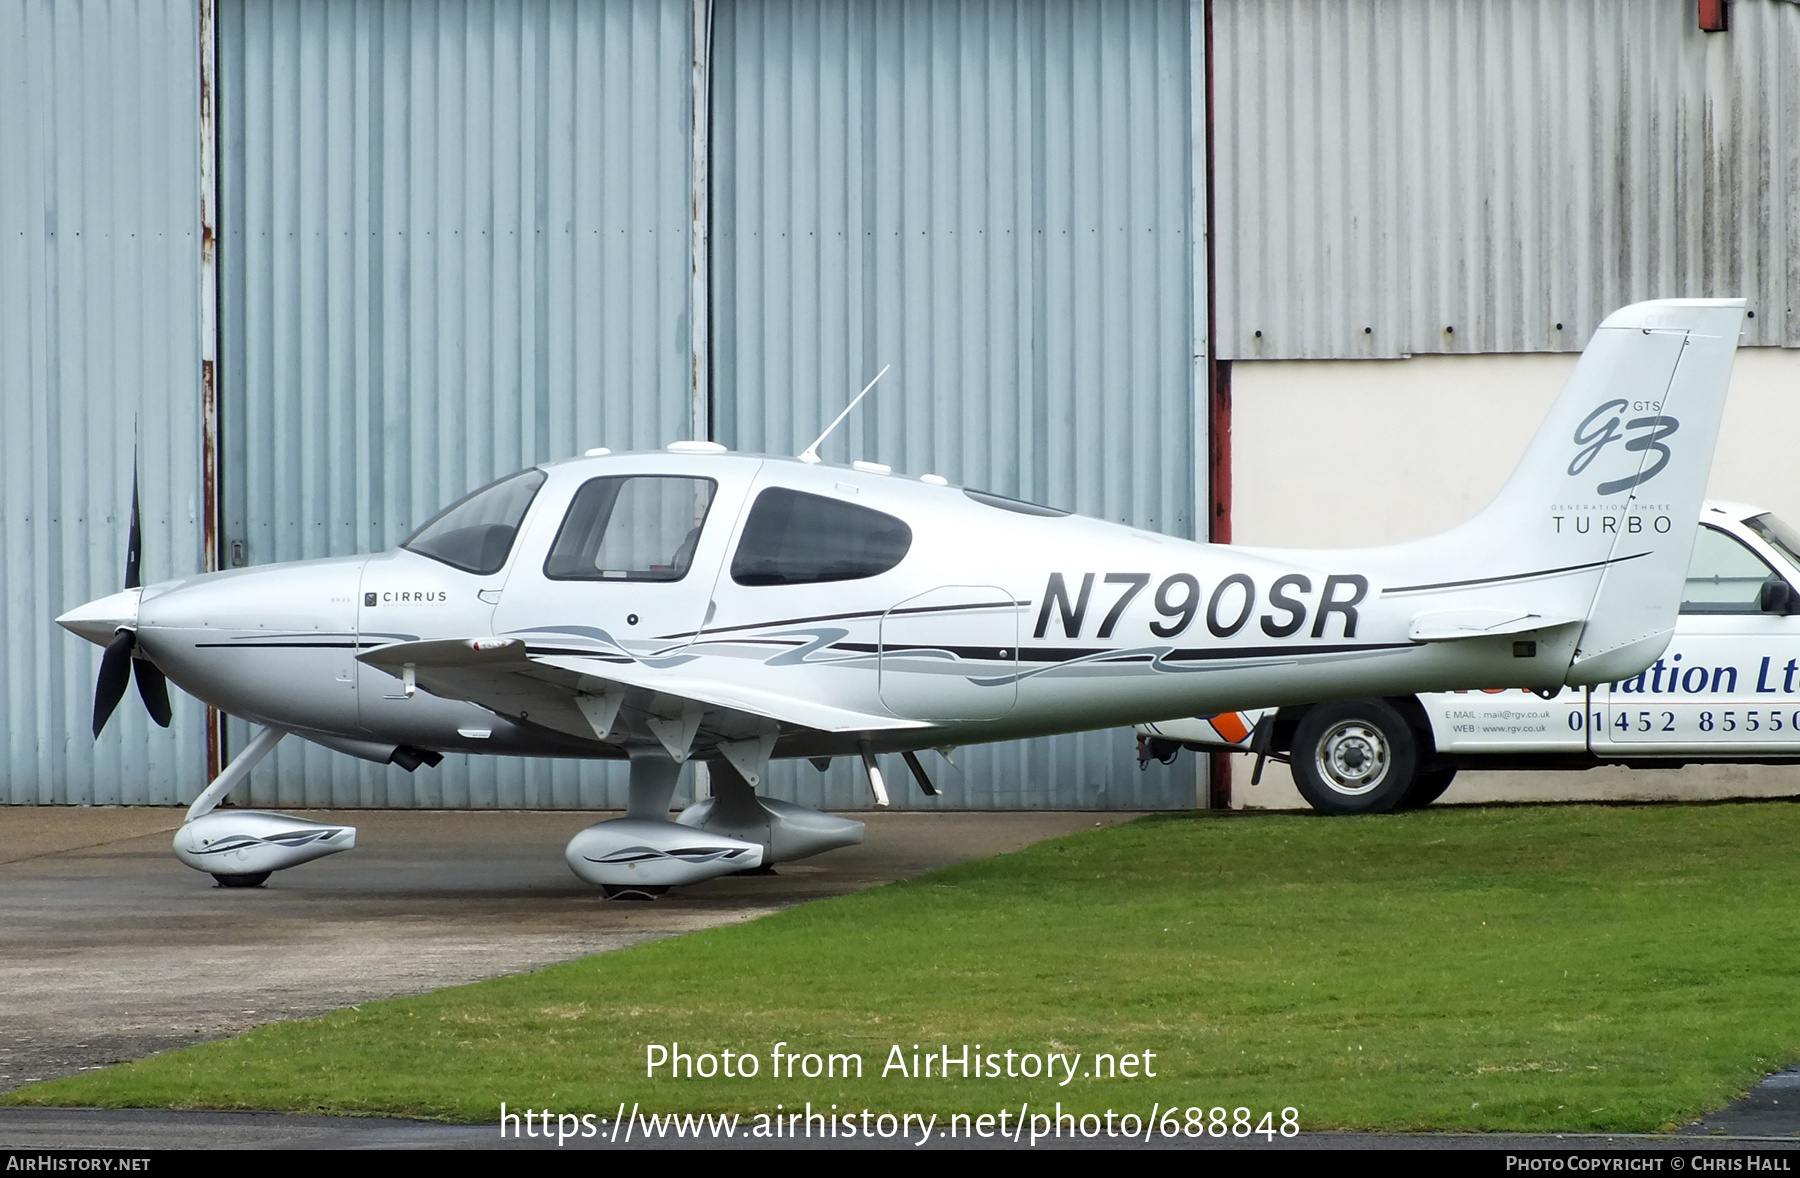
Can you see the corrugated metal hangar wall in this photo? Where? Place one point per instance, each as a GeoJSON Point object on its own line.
{"type": "Point", "coordinates": [1402, 178]}
{"type": "Point", "coordinates": [100, 341]}
{"type": "Point", "coordinates": [455, 240]}
{"type": "Point", "coordinates": [458, 238]}
{"type": "Point", "coordinates": [994, 198]}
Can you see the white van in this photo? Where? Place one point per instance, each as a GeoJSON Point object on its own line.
{"type": "Point", "coordinates": [1726, 689]}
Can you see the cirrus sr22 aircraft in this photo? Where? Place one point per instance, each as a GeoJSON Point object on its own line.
{"type": "Point", "coordinates": [698, 604]}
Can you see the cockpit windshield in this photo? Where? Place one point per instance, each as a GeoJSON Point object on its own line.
{"type": "Point", "coordinates": [476, 533]}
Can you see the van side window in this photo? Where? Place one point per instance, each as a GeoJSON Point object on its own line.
{"type": "Point", "coordinates": [793, 538]}
{"type": "Point", "coordinates": [631, 528]}
{"type": "Point", "coordinates": [1724, 577]}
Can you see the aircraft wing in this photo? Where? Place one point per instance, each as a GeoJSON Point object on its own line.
{"type": "Point", "coordinates": [585, 696]}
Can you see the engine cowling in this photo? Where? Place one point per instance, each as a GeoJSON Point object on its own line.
{"type": "Point", "coordinates": [253, 842]}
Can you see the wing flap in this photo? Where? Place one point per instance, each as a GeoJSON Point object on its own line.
{"type": "Point", "coordinates": [735, 697]}
{"type": "Point", "coordinates": [560, 691]}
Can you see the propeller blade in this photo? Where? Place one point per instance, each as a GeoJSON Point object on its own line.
{"type": "Point", "coordinates": [153, 688]}
{"type": "Point", "coordinates": [115, 672]}
{"type": "Point", "coordinates": [134, 544]}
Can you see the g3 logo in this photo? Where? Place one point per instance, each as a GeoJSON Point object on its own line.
{"type": "Point", "coordinates": [1593, 435]}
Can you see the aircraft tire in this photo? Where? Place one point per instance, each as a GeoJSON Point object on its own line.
{"type": "Point", "coordinates": [634, 891]}
{"type": "Point", "coordinates": [255, 879]}
{"type": "Point", "coordinates": [1356, 757]}
{"type": "Point", "coordinates": [1426, 789]}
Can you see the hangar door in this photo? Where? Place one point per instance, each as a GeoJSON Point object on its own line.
{"type": "Point", "coordinates": [994, 198]}
{"type": "Point", "coordinates": [454, 243]}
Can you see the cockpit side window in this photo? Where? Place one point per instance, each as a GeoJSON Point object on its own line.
{"type": "Point", "coordinates": [793, 538]}
{"type": "Point", "coordinates": [476, 533]}
{"type": "Point", "coordinates": [631, 528]}
{"type": "Point", "coordinates": [1724, 576]}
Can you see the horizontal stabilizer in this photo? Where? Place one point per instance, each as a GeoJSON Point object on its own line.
{"type": "Point", "coordinates": [1449, 625]}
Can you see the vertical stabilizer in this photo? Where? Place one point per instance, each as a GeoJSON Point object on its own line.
{"type": "Point", "coordinates": [1601, 514]}
{"type": "Point", "coordinates": [1638, 463]}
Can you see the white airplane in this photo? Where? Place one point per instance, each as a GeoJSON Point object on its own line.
{"type": "Point", "coordinates": [698, 604]}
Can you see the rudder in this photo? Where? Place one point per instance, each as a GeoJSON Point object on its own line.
{"type": "Point", "coordinates": [1649, 469]}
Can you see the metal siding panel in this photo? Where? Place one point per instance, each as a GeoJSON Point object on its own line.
{"type": "Point", "coordinates": [1462, 177]}
{"type": "Point", "coordinates": [995, 198]}
{"type": "Point", "coordinates": [455, 242]}
{"type": "Point", "coordinates": [99, 333]}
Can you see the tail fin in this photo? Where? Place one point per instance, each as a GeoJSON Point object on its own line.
{"type": "Point", "coordinates": [1614, 479]}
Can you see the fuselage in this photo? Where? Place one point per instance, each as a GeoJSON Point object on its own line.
{"type": "Point", "coordinates": [971, 617]}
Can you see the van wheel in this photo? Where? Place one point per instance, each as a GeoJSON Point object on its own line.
{"type": "Point", "coordinates": [1354, 758]}
{"type": "Point", "coordinates": [1426, 789]}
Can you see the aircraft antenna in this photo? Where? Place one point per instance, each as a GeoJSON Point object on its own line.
{"type": "Point", "coordinates": [811, 453]}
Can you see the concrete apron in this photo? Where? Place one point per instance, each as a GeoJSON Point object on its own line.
{"type": "Point", "coordinates": [111, 950]}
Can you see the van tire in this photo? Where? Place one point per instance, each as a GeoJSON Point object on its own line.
{"type": "Point", "coordinates": [1356, 757]}
{"type": "Point", "coordinates": [1426, 789]}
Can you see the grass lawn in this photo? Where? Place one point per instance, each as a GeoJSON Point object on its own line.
{"type": "Point", "coordinates": [1552, 968]}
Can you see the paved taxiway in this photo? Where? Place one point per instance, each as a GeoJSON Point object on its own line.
{"type": "Point", "coordinates": [152, 1129]}
{"type": "Point", "coordinates": [111, 950]}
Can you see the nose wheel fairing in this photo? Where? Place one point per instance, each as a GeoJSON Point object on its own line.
{"type": "Point", "coordinates": [256, 842]}
{"type": "Point", "coordinates": [240, 848]}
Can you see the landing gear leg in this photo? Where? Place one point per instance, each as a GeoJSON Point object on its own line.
{"type": "Point", "coordinates": [653, 777]}
{"type": "Point", "coordinates": [240, 767]}
{"type": "Point", "coordinates": [738, 812]}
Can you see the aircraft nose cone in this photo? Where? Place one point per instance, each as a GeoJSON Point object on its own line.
{"type": "Point", "coordinates": [99, 620]}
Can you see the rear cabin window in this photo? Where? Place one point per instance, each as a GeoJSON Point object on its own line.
{"type": "Point", "coordinates": [1724, 577]}
{"type": "Point", "coordinates": [793, 538]}
{"type": "Point", "coordinates": [631, 528]}
{"type": "Point", "coordinates": [476, 533]}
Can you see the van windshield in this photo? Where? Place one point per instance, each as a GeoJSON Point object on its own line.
{"type": "Point", "coordinates": [1777, 534]}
